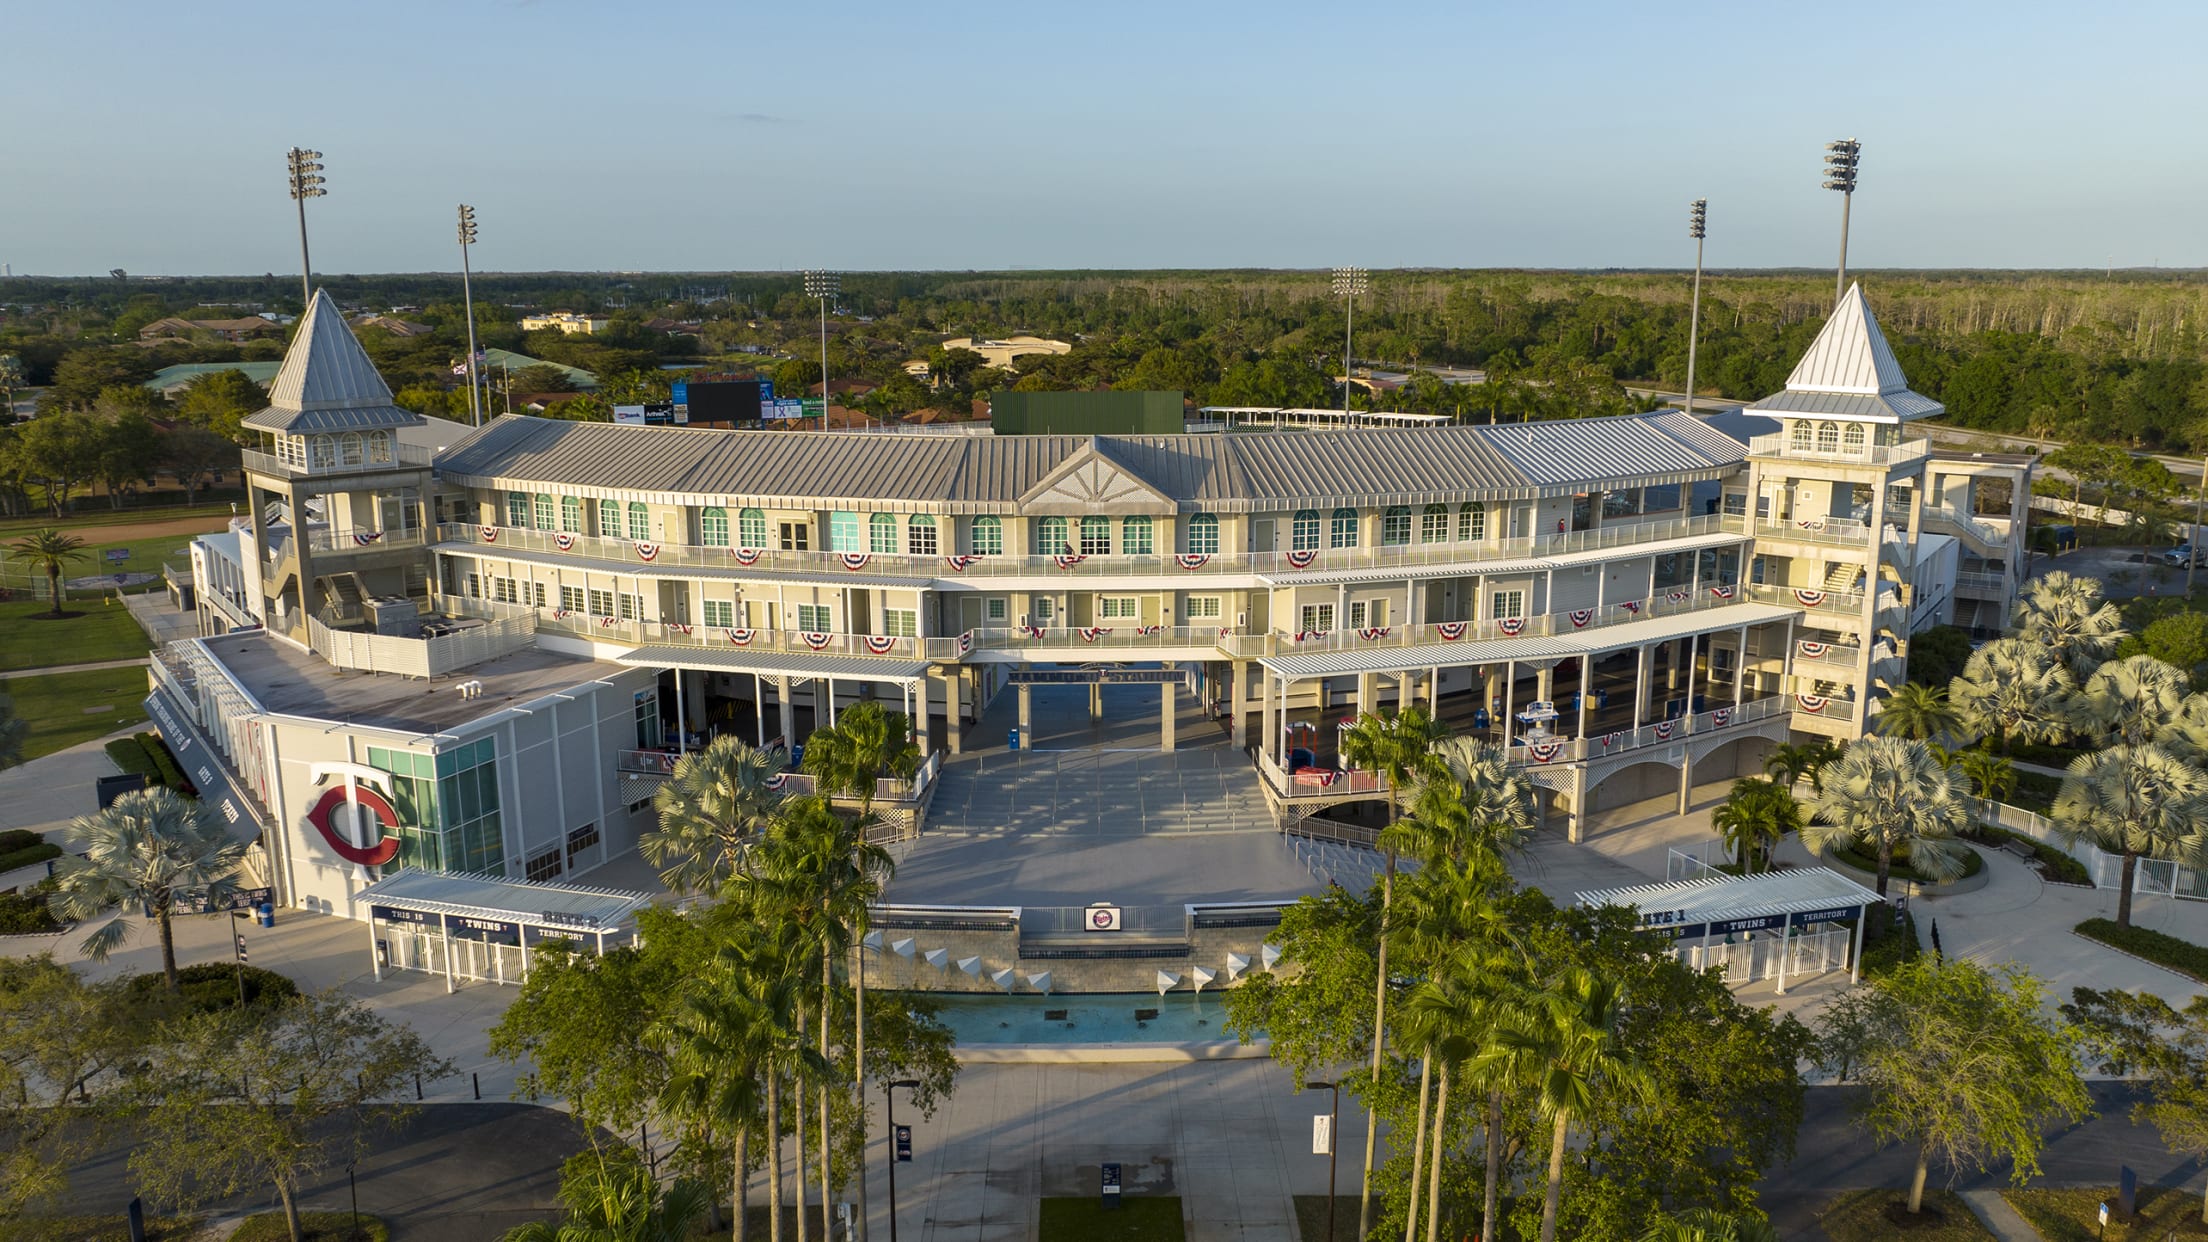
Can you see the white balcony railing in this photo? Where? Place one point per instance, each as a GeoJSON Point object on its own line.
{"type": "Point", "coordinates": [1810, 448]}
{"type": "Point", "coordinates": [404, 457]}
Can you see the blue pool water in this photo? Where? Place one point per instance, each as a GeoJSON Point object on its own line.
{"type": "Point", "coordinates": [1092, 1018]}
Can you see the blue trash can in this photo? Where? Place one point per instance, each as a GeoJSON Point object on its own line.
{"type": "Point", "coordinates": [266, 913]}
{"type": "Point", "coordinates": [1012, 739]}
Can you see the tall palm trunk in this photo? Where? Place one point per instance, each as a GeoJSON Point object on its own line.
{"type": "Point", "coordinates": [742, 1196]}
{"type": "Point", "coordinates": [858, 1067]}
{"type": "Point", "coordinates": [797, 1107]}
{"type": "Point", "coordinates": [1885, 864]}
{"type": "Point", "coordinates": [53, 589]}
{"type": "Point", "coordinates": [1418, 1149]}
{"type": "Point", "coordinates": [774, 1152]}
{"type": "Point", "coordinates": [827, 1153]}
{"type": "Point", "coordinates": [2123, 898]}
{"type": "Point", "coordinates": [1494, 1162]}
{"type": "Point", "coordinates": [168, 943]}
{"type": "Point", "coordinates": [1433, 1184]}
{"type": "Point", "coordinates": [1379, 1027]}
{"type": "Point", "coordinates": [1556, 1177]}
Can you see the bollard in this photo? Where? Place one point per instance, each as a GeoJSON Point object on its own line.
{"type": "Point", "coordinates": [417, 1086]}
{"type": "Point", "coordinates": [477, 1079]}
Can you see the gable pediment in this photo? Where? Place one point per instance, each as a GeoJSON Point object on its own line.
{"type": "Point", "coordinates": [1089, 482]}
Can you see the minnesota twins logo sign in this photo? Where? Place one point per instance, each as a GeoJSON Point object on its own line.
{"type": "Point", "coordinates": [356, 821]}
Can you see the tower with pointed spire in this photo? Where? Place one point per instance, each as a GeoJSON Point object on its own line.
{"type": "Point", "coordinates": [1846, 499]}
{"type": "Point", "coordinates": [337, 501]}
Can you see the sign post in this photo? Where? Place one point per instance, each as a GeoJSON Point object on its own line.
{"type": "Point", "coordinates": [1111, 1187]}
{"type": "Point", "coordinates": [1322, 1143]}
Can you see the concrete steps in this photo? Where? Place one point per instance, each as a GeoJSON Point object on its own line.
{"type": "Point", "coordinates": [1112, 792]}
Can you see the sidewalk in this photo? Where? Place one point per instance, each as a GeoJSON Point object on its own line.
{"type": "Point", "coordinates": [93, 667]}
{"type": "Point", "coordinates": [49, 791]}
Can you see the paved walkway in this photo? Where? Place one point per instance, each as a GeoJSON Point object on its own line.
{"type": "Point", "coordinates": [93, 667]}
{"type": "Point", "coordinates": [49, 791]}
{"type": "Point", "coordinates": [2006, 1223]}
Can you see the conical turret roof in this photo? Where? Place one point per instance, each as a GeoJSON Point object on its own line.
{"type": "Point", "coordinates": [327, 382]}
{"type": "Point", "coordinates": [1850, 371]}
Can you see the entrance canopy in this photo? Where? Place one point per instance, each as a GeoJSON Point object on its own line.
{"type": "Point", "coordinates": [1723, 904]}
{"type": "Point", "coordinates": [777, 663]}
{"type": "Point", "coordinates": [550, 909]}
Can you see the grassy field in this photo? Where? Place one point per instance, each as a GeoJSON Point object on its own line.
{"type": "Point", "coordinates": [102, 631]}
{"type": "Point", "coordinates": [113, 1228]}
{"type": "Point", "coordinates": [93, 512]}
{"type": "Point", "coordinates": [315, 1226]}
{"type": "Point", "coordinates": [2073, 1215]}
{"type": "Point", "coordinates": [1142, 1218]}
{"type": "Point", "coordinates": [20, 577]}
{"type": "Point", "coordinates": [63, 709]}
{"type": "Point", "coordinates": [1863, 1216]}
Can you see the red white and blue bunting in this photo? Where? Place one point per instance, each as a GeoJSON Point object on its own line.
{"type": "Point", "coordinates": [1724, 590]}
{"type": "Point", "coordinates": [1813, 650]}
{"type": "Point", "coordinates": [815, 639]}
{"type": "Point", "coordinates": [1032, 631]}
{"type": "Point", "coordinates": [490, 534]}
{"type": "Point", "coordinates": [880, 644]}
{"type": "Point", "coordinates": [776, 781]}
{"type": "Point", "coordinates": [1721, 716]}
{"type": "Point", "coordinates": [1511, 627]}
{"type": "Point", "coordinates": [1812, 703]}
{"type": "Point", "coordinates": [1810, 599]}
{"type": "Point", "coordinates": [1091, 633]}
{"type": "Point", "coordinates": [965, 642]}
{"type": "Point", "coordinates": [363, 539]}
{"type": "Point", "coordinates": [647, 552]}
{"type": "Point", "coordinates": [1633, 606]}
{"type": "Point", "coordinates": [677, 627]}
{"type": "Point", "coordinates": [1191, 560]}
{"type": "Point", "coordinates": [1662, 729]}
{"type": "Point", "coordinates": [603, 622]}
{"type": "Point", "coordinates": [1678, 597]}
{"type": "Point", "coordinates": [741, 638]}
{"type": "Point", "coordinates": [854, 561]}
{"type": "Point", "coordinates": [1811, 523]}
{"type": "Point", "coordinates": [745, 556]}
{"type": "Point", "coordinates": [1302, 559]}
{"type": "Point", "coordinates": [1149, 631]}
{"type": "Point", "coordinates": [959, 563]}
{"type": "Point", "coordinates": [564, 542]}
{"type": "Point", "coordinates": [1308, 635]}
{"type": "Point", "coordinates": [1373, 633]}
{"type": "Point", "coordinates": [561, 614]}
{"type": "Point", "coordinates": [1580, 617]}
{"type": "Point", "coordinates": [1543, 752]}
{"type": "Point", "coordinates": [1613, 741]}
{"type": "Point", "coordinates": [1067, 560]}
{"type": "Point", "coordinates": [1450, 631]}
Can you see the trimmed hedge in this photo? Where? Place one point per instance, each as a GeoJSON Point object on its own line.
{"type": "Point", "coordinates": [314, 1227]}
{"type": "Point", "coordinates": [14, 839]}
{"type": "Point", "coordinates": [129, 754]}
{"type": "Point", "coordinates": [164, 763]}
{"type": "Point", "coordinates": [209, 986]}
{"type": "Point", "coordinates": [39, 853]}
{"type": "Point", "coordinates": [1973, 863]}
{"type": "Point", "coordinates": [25, 914]}
{"type": "Point", "coordinates": [2058, 865]}
{"type": "Point", "coordinates": [2182, 956]}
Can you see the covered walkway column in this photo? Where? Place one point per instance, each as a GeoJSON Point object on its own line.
{"type": "Point", "coordinates": [1238, 704]}
{"type": "Point", "coordinates": [1368, 687]}
{"type": "Point", "coordinates": [787, 708]}
{"type": "Point", "coordinates": [917, 690]}
{"type": "Point", "coordinates": [1165, 716]}
{"type": "Point", "coordinates": [1027, 713]}
{"type": "Point", "coordinates": [954, 687]}
{"type": "Point", "coordinates": [1686, 753]}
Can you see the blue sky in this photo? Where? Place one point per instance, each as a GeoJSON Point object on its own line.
{"type": "Point", "coordinates": [862, 135]}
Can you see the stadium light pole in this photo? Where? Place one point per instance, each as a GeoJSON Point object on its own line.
{"type": "Point", "coordinates": [306, 182]}
{"type": "Point", "coordinates": [467, 301]}
{"type": "Point", "coordinates": [1840, 161]}
{"type": "Point", "coordinates": [1348, 283]}
{"type": "Point", "coordinates": [1697, 216]}
{"type": "Point", "coordinates": [823, 285]}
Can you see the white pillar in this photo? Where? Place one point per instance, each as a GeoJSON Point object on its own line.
{"type": "Point", "coordinates": [444, 929]}
{"type": "Point", "coordinates": [788, 710]}
{"type": "Point", "coordinates": [1740, 669]}
{"type": "Point", "coordinates": [1586, 667]}
{"type": "Point", "coordinates": [1510, 697]}
{"type": "Point", "coordinates": [917, 692]}
{"type": "Point", "coordinates": [682, 715]}
{"type": "Point", "coordinates": [1786, 936]}
{"type": "Point", "coordinates": [1027, 712]}
{"type": "Point", "coordinates": [1165, 716]}
{"type": "Point", "coordinates": [1855, 955]}
{"type": "Point", "coordinates": [1238, 704]}
{"type": "Point", "coordinates": [375, 958]}
{"type": "Point", "coordinates": [1640, 686]}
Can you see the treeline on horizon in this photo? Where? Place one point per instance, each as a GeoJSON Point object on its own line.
{"type": "Point", "coordinates": [2115, 358]}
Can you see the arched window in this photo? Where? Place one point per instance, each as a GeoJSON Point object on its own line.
{"type": "Point", "coordinates": [640, 521]}
{"type": "Point", "coordinates": [379, 447]}
{"type": "Point", "coordinates": [325, 453]}
{"type": "Point", "coordinates": [1471, 521]}
{"type": "Point", "coordinates": [1096, 536]}
{"type": "Point", "coordinates": [1395, 526]}
{"type": "Point", "coordinates": [1050, 537]}
{"type": "Point", "coordinates": [517, 509]}
{"type": "Point", "coordinates": [920, 535]}
{"type": "Point", "coordinates": [1203, 534]}
{"type": "Point", "coordinates": [544, 511]}
{"type": "Point", "coordinates": [1303, 533]}
{"type": "Point", "coordinates": [988, 536]}
{"type": "Point", "coordinates": [609, 518]}
{"type": "Point", "coordinates": [1433, 524]}
{"type": "Point", "coordinates": [571, 515]}
{"type": "Point", "coordinates": [881, 533]}
{"type": "Point", "coordinates": [1828, 437]}
{"type": "Point", "coordinates": [713, 526]}
{"type": "Point", "coordinates": [1135, 537]}
{"type": "Point", "coordinates": [751, 528]}
{"type": "Point", "coordinates": [1852, 438]}
{"type": "Point", "coordinates": [1344, 534]}
{"type": "Point", "coordinates": [349, 449]}
{"type": "Point", "coordinates": [1797, 436]}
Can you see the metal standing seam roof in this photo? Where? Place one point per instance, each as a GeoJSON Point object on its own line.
{"type": "Point", "coordinates": [775, 663]}
{"type": "Point", "coordinates": [327, 382]}
{"type": "Point", "coordinates": [1714, 899]}
{"type": "Point", "coordinates": [477, 895]}
{"type": "Point", "coordinates": [1850, 371]}
{"type": "Point", "coordinates": [991, 473]}
{"type": "Point", "coordinates": [1299, 665]}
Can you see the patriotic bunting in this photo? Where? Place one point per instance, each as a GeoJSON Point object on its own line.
{"type": "Point", "coordinates": [561, 614]}
{"type": "Point", "coordinates": [490, 534]}
{"type": "Point", "coordinates": [647, 552]}
{"type": "Point", "coordinates": [1067, 560]}
{"type": "Point", "coordinates": [1663, 730]}
{"type": "Point", "coordinates": [1811, 523]}
{"type": "Point", "coordinates": [741, 638]}
{"type": "Point", "coordinates": [1191, 560]}
{"type": "Point", "coordinates": [1308, 635]}
{"type": "Point", "coordinates": [1090, 633]}
{"type": "Point", "coordinates": [745, 556]}
{"type": "Point", "coordinates": [564, 542]}
{"type": "Point", "coordinates": [965, 642]}
{"type": "Point", "coordinates": [1302, 559]}
{"type": "Point", "coordinates": [854, 561]}
{"type": "Point", "coordinates": [1373, 633]}
{"type": "Point", "coordinates": [815, 639]}
{"type": "Point", "coordinates": [1813, 650]}
{"type": "Point", "coordinates": [1810, 599]}
{"type": "Point", "coordinates": [1677, 597]}
{"type": "Point", "coordinates": [1033, 631]}
{"type": "Point", "coordinates": [1633, 606]}
{"type": "Point", "coordinates": [1812, 703]}
{"type": "Point", "coordinates": [1511, 627]}
{"type": "Point", "coordinates": [1724, 590]}
{"type": "Point", "coordinates": [1720, 716]}
{"type": "Point", "coordinates": [1615, 739]}
{"type": "Point", "coordinates": [1149, 631]}
{"type": "Point", "coordinates": [959, 563]}
{"type": "Point", "coordinates": [776, 781]}
{"type": "Point", "coordinates": [1543, 752]}
{"type": "Point", "coordinates": [1450, 631]}
{"type": "Point", "coordinates": [1580, 617]}
{"type": "Point", "coordinates": [677, 627]}
{"type": "Point", "coordinates": [880, 644]}
{"type": "Point", "coordinates": [364, 539]}
{"type": "Point", "coordinates": [606, 621]}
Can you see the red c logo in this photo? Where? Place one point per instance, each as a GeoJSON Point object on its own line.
{"type": "Point", "coordinates": [365, 799]}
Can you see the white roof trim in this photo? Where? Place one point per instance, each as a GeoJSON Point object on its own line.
{"type": "Point", "coordinates": [1714, 899]}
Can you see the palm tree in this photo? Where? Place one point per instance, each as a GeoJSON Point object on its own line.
{"type": "Point", "coordinates": [2135, 801]}
{"type": "Point", "coordinates": [1790, 762]}
{"type": "Point", "coordinates": [2012, 688]}
{"type": "Point", "coordinates": [719, 1038]}
{"type": "Point", "coordinates": [1890, 796]}
{"type": "Point", "coordinates": [1708, 1225]}
{"type": "Point", "coordinates": [13, 729]}
{"type": "Point", "coordinates": [51, 550]}
{"type": "Point", "coordinates": [711, 810]}
{"type": "Point", "coordinates": [1992, 777]}
{"type": "Point", "coordinates": [2066, 615]}
{"type": "Point", "coordinates": [2130, 701]}
{"type": "Point", "coordinates": [152, 848]}
{"type": "Point", "coordinates": [1756, 811]}
{"type": "Point", "coordinates": [1399, 746]}
{"type": "Point", "coordinates": [1915, 711]}
{"type": "Point", "coordinates": [616, 1199]}
{"type": "Point", "coordinates": [865, 744]}
{"type": "Point", "coordinates": [1568, 1045]}
{"type": "Point", "coordinates": [1497, 798]}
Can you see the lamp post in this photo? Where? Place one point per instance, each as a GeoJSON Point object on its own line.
{"type": "Point", "coordinates": [889, 1093]}
{"type": "Point", "coordinates": [306, 183]}
{"type": "Point", "coordinates": [1348, 283]}
{"type": "Point", "coordinates": [823, 285]}
{"type": "Point", "coordinates": [1840, 160]}
{"type": "Point", "coordinates": [467, 300]}
{"type": "Point", "coordinates": [1333, 1143]}
{"type": "Point", "coordinates": [353, 1188]}
{"type": "Point", "coordinates": [237, 929]}
{"type": "Point", "coordinates": [1698, 215]}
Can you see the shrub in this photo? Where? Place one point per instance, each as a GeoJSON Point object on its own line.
{"type": "Point", "coordinates": [165, 765]}
{"type": "Point", "coordinates": [1893, 948]}
{"type": "Point", "coordinates": [1973, 863]}
{"type": "Point", "coordinates": [25, 914]}
{"type": "Point", "coordinates": [2059, 867]}
{"type": "Point", "coordinates": [209, 986]}
{"type": "Point", "coordinates": [314, 1227]}
{"type": "Point", "coordinates": [15, 839]}
{"type": "Point", "coordinates": [129, 754]}
{"type": "Point", "coordinates": [2182, 956]}
{"type": "Point", "coordinates": [35, 853]}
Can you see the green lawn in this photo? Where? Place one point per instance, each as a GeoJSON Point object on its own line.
{"type": "Point", "coordinates": [102, 631]}
{"type": "Point", "coordinates": [2074, 1215]}
{"type": "Point", "coordinates": [93, 511]}
{"type": "Point", "coordinates": [112, 1228]}
{"type": "Point", "coordinates": [147, 556]}
{"type": "Point", "coordinates": [55, 706]}
{"type": "Point", "coordinates": [315, 1226]}
{"type": "Point", "coordinates": [1142, 1218]}
{"type": "Point", "coordinates": [1864, 1216]}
